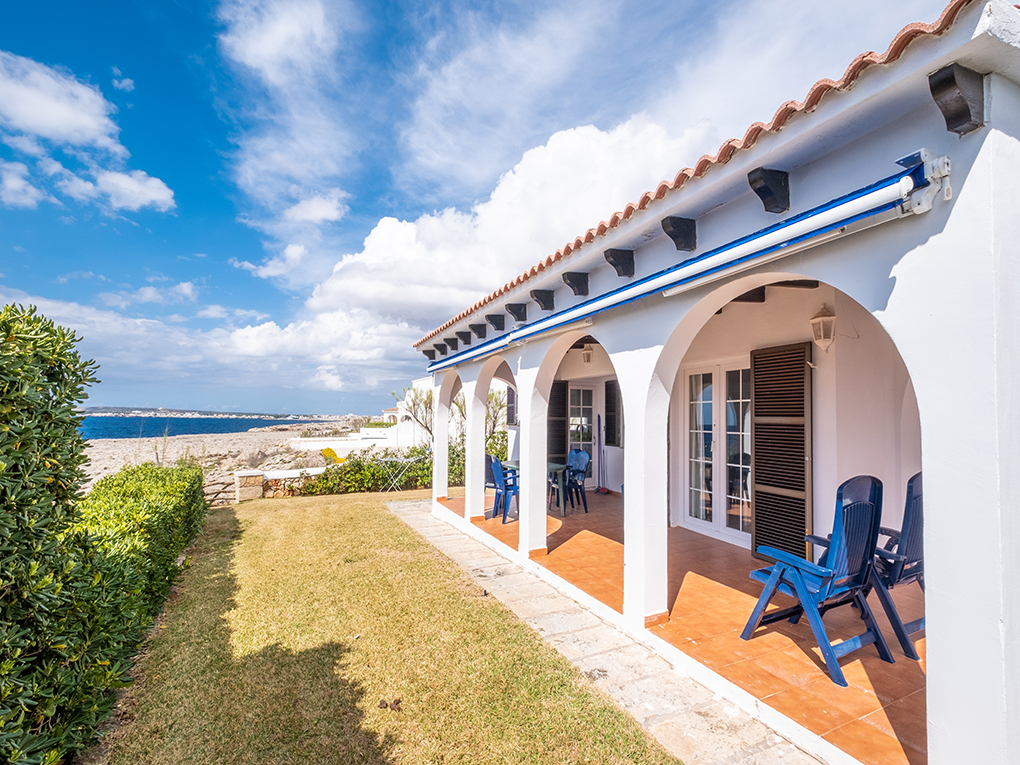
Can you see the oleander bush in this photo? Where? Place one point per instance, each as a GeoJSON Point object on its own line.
{"type": "Point", "coordinates": [79, 579]}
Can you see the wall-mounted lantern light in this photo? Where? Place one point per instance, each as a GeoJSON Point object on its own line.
{"type": "Point", "coordinates": [586, 354]}
{"type": "Point", "coordinates": [823, 328]}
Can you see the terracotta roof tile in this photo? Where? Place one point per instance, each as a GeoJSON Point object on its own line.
{"type": "Point", "coordinates": [814, 96]}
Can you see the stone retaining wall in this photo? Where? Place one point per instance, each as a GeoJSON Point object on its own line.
{"type": "Point", "coordinates": [256, 484]}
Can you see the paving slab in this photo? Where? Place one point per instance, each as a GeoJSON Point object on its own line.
{"type": "Point", "coordinates": [589, 642]}
{"type": "Point", "coordinates": [688, 719]}
{"type": "Point", "coordinates": [622, 666]}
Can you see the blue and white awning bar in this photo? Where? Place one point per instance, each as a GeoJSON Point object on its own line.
{"type": "Point", "coordinates": [909, 192]}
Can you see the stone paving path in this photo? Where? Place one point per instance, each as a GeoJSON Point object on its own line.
{"type": "Point", "coordinates": [699, 727]}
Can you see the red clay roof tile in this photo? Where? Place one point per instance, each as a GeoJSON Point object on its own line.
{"type": "Point", "coordinates": [730, 147]}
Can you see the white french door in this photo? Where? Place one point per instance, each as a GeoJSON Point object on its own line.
{"type": "Point", "coordinates": [580, 421]}
{"type": "Point", "coordinates": [717, 454]}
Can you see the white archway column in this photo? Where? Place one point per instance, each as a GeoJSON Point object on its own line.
{"type": "Point", "coordinates": [646, 521]}
{"type": "Point", "coordinates": [440, 436]}
{"type": "Point", "coordinates": [475, 396]}
{"type": "Point", "coordinates": [532, 410]}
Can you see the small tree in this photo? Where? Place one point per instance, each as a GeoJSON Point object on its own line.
{"type": "Point", "coordinates": [495, 414]}
{"type": "Point", "coordinates": [418, 403]}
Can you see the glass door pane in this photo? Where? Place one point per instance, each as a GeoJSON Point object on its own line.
{"type": "Point", "coordinates": [581, 415]}
{"type": "Point", "coordinates": [700, 439]}
{"type": "Point", "coordinates": [738, 449]}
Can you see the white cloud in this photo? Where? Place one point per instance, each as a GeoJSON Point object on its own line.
{"type": "Point", "coordinates": [318, 209]}
{"type": "Point", "coordinates": [45, 109]}
{"type": "Point", "coordinates": [286, 51]}
{"type": "Point", "coordinates": [213, 312]}
{"type": "Point", "coordinates": [327, 378]}
{"type": "Point", "coordinates": [278, 40]}
{"type": "Point", "coordinates": [425, 271]}
{"type": "Point", "coordinates": [220, 312]}
{"type": "Point", "coordinates": [479, 107]}
{"type": "Point", "coordinates": [77, 188]}
{"type": "Point", "coordinates": [279, 265]}
{"type": "Point", "coordinates": [24, 144]}
{"type": "Point", "coordinates": [135, 190]}
{"type": "Point", "coordinates": [126, 84]}
{"type": "Point", "coordinates": [37, 100]}
{"type": "Point", "coordinates": [183, 292]}
{"type": "Point", "coordinates": [15, 189]}
{"type": "Point", "coordinates": [65, 278]}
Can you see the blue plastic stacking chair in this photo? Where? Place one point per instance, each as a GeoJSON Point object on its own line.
{"type": "Point", "coordinates": [506, 488]}
{"type": "Point", "coordinates": [840, 577]}
{"type": "Point", "coordinates": [490, 482]}
{"type": "Point", "coordinates": [577, 472]}
{"type": "Point", "coordinates": [901, 561]}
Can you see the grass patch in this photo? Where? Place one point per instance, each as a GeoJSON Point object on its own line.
{"type": "Point", "coordinates": [298, 615]}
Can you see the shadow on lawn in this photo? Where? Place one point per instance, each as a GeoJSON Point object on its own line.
{"type": "Point", "coordinates": [200, 697]}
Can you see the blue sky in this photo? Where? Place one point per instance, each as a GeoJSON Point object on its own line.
{"type": "Point", "coordinates": [259, 206]}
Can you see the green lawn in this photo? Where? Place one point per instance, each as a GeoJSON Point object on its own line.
{"type": "Point", "coordinates": [298, 615]}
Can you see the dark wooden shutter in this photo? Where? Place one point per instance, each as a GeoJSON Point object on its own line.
{"type": "Point", "coordinates": [612, 413]}
{"type": "Point", "coordinates": [781, 448]}
{"type": "Point", "coordinates": [511, 406]}
{"type": "Point", "coordinates": [556, 434]}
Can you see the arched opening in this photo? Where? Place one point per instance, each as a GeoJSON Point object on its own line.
{"type": "Point", "coordinates": [763, 425]}
{"type": "Point", "coordinates": [584, 538]}
{"type": "Point", "coordinates": [493, 418]}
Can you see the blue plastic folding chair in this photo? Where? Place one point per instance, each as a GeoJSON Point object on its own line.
{"type": "Point", "coordinates": [901, 561]}
{"type": "Point", "coordinates": [506, 488]}
{"type": "Point", "coordinates": [577, 472]}
{"type": "Point", "coordinates": [840, 577]}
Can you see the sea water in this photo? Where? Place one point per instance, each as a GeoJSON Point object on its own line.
{"type": "Point", "coordinates": [156, 427]}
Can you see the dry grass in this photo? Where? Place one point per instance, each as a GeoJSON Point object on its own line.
{"type": "Point", "coordinates": [298, 615]}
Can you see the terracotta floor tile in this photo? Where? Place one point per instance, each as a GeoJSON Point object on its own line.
{"type": "Point", "coordinates": [793, 665]}
{"type": "Point", "coordinates": [805, 708]}
{"type": "Point", "coordinates": [856, 702]}
{"type": "Point", "coordinates": [902, 723]}
{"type": "Point", "coordinates": [714, 652]}
{"type": "Point", "coordinates": [889, 682]}
{"type": "Point", "coordinates": [873, 747]}
{"type": "Point", "coordinates": [753, 678]}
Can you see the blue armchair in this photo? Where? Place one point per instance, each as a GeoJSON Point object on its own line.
{"type": "Point", "coordinates": [841, 576]}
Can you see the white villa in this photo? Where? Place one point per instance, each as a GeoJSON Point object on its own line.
{"type": "Point", "coordinates": [691, 336]}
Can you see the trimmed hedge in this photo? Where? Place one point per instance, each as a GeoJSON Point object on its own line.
{"type": "Point", "coordinates": [141, 519]}
{"type": "Point", "coordinates": [76, 592]}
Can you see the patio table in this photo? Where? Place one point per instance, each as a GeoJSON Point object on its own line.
{"type": "Point", "coordinates": [553, 467]}
{"type": "Point", "coordinates": [396, 468]}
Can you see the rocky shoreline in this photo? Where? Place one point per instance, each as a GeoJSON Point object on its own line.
{"type": "Point", "coordinates": [220, 454]}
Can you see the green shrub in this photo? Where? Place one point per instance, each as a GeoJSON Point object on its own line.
{"type": "Point", "coordinates": [75, 595]}
{"type": "Point", "coordinates": [142, 518]}
{"type": "Point", "coordinates": [496, 445]}
{"type": "Point", "coordinates": [365, 470]}
{"type": "Point", "coordinates": [378, 425]}
{"type": "Point", "coordinates": [47, 663]}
